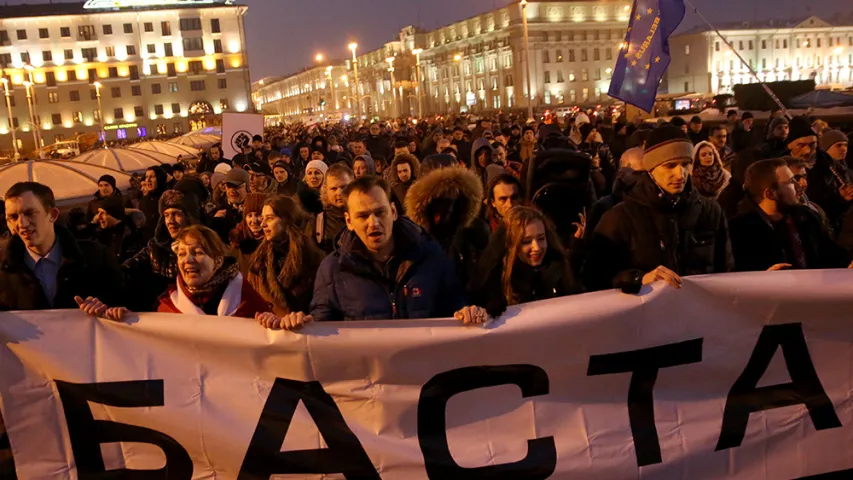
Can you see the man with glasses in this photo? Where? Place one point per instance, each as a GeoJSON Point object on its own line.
{"type": "Point", "coordinates": [719, 138]}
{"type": "Point", "coordinates": [774, 231]}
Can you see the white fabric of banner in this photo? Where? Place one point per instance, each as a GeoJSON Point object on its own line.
{"type": "Point", "coordinates": [217, 375]}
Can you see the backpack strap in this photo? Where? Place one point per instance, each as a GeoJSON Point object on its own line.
{"type": "Point", "coordinates": [318, 228]}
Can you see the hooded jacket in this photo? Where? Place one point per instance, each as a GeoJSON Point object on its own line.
{"type": "Point", "coordinates": [418, 282]}
{"type": "Point", "coordinates": [455, 192]}
{"type": "Point", "coordinates": [400, 189]}
{"type": "Point", "coordinates": [429, 146]}
{"type": "Point", "coordinates": [757, 245]}
{"type": "Point", "coordinates": [726, 176]}
{"type": "Point", "coordinates": [650, 229]}
{"type": "Point", "coordinates": [553, 279]}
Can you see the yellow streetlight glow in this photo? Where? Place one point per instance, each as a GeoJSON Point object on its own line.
{"type": "Point", "coordinates": [417, 51]}
{"type": "Point", "coordinates": [319, 57]}
{"type": "Point", "coordinates": [457, 57]}
{"type": "Point", "coordinates": [353, 46]}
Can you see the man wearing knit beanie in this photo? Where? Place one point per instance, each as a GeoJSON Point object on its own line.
{"type": "Point", "coordinates": [802, 141]}
{"type": "Point", "coordinates": [178, 210]}
{"type": "Point", "coordinates": [115, 231]}
{"type": "Point", "coordinates": [664, 229]}
{"type": "Point", "coordinates": [830, 182]}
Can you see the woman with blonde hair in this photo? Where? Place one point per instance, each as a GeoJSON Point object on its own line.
{"type": "Point", "coordinates": [709, 177]}
{"type": "Point", "coordinates": [524, 262]}
{"type": "Point", "coordinates": [284, 266]}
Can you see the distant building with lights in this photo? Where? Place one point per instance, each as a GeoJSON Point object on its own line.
{"type": "Point", "coordinates": [777, 50]}
{"type": "Point", "coordinates": [477, 64]}
{"type": "Point", "coordinates": [163, 69]}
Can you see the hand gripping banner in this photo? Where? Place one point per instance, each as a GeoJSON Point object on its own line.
{"type": "Point", "coordinates": [744, 376]}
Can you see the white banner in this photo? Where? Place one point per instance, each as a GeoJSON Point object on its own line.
{"type": "Point", "coordinates": [744, 376]}
{"type": "Point", "coordinates": [238, 130]}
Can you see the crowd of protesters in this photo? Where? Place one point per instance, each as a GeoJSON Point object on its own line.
{"type": "Point", "coordinates": [437, 218]}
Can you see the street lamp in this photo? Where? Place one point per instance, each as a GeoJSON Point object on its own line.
{"type": "Point", "coordinates": [27, 85]}
{"type": "Point", "coordinates": [353, 47]}
{"type": "Point", "coordinates": [11, 123]}
{"type": "Point", "coordinates": [527, 58]}
{"type": "Point", "coordinates": [34, 109]}
{"type": "Point", "coordinates": [390, 61]}
{"type": "Point", "coordinates": [98, 86]}
{"type": "Point", "coordinates": [319, 58]}
{"type": "Point", "coordinates": [417, 53]}
{"type": "Point", "coordinates": [332, 86]}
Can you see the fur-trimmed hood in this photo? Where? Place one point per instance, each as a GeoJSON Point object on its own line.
{"type": "Point", "coordinates": [454, 183]}
{"type": "Point", "coordinates": [416, 165]}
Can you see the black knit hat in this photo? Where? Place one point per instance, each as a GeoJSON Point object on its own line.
{"type": "Point", "coordinates": [186, 203]}
{"type": "Point", "coordinates": [114, 206]}
{"type": "Point", "coordinates": [109, 179]}
{"type": "Point", "coordinates": [678, 121]}
{"type": "Point", "coordinates": [800, 128]}
{"type": "Point", "coordinates": [665, 144]}
{"type": "Point", "coordinates": [747, 116]}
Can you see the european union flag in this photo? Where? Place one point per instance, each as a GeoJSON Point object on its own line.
{"type": "Point", "coordinates": [644, 56]}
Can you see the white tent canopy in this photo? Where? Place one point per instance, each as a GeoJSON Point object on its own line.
{"type": "Point", "coordinates": [124, 159]}
{"type": "Point", "coordinates": [167, 148]}
{"type": "Point", "coordinates": [214, 130]}
{"type": "Point", "coordinates": [69, 180]}
{"type": "Point", "coordinates": [202, 141]}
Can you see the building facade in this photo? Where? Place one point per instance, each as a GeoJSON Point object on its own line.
{"type": "Point", "coordinates": [477, 65]}
{"type": "Point", "coordinates": [318, 93]}
{"type": "Point", "coordinates": [807, 49]}
{"type": "Point", "coordinates": [160, 69]}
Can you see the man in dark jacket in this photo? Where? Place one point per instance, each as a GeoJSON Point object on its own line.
{"type": "Point", "coordinates": [377, 144]}
{"type": "Point", "coordinates": [462, 146]}
{"type": "Point", "coordinates": [773, 231]}
{"type": "Point", "coordinates": [743, 136]}
{"type": "Point", "coordinates": [695, 131]}
{"type": "Point", "coordinates": [405, 169]}
{"type": "Point", "coordinates": [230, 213]}
{"type": "Point", "coordinates": [830, 181]}
{"type": "Point", "coordinates": [629, 173]}
{"type": "Point", "coordinates": [386, 267]}
{"type": "Point", "coordinates": [663, 230]}
{"type": "Point", "coordinates": [42, 266]}
{"type": "Point", "coordinates": [328, 224]}
{"type": "Point", "coordinates": [115, 230]}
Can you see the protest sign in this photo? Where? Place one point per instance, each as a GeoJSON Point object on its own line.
{"type": "Point", "coordinates": [733, 376]}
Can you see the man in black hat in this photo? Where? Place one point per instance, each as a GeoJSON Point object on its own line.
{"type": "Point", "coordinates": [230, 212]}
{"type": "Point", "coordinates": [106, 188]}
{"type": "Point", "coordinates": [664, 229]}
{"type": "Point", "coordinates": [743, 136]}
{"type": "Point", "coordinates": [178, 171]}
{"type": "Point", "coordinates": [695, 130]}
{"type": "Point", "coordinates": [261, 179]}
{"type": "Point", "coordinates": [115, 230]}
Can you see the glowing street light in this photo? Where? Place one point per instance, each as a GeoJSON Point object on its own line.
{"type": "Point", "coordinates": [353, 47]}
{"type": "Point", "coordinates": [319, 58]}
{"type": "Point", "coordinates": [98, 86]}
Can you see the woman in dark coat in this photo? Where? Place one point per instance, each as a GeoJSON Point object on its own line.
{"type": "Point", "coordinates": [524, 262]}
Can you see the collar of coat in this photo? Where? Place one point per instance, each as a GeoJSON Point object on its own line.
{"type": "Point", "coordinates": [411, 246]}
{"type": "Point", "coordinates": [13, 250]}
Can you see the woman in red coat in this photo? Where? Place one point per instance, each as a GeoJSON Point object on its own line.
{"type": "Point", "coordinates": [210, 283]}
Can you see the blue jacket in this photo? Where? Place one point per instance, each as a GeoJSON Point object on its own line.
{"type": "Point", "coordinates": [350, 287]}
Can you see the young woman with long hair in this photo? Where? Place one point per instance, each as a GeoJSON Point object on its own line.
{"type": "Point", "coordinates": [283, 267]}
{"type": "Point", "coordinates": [525, 262]}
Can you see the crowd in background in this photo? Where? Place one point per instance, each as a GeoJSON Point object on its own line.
{"type": "Point", "coordinates": [437, 218]}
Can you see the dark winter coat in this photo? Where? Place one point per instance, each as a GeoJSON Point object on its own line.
{"type": "Point", "coordinates": [605, 204]}
{"type": "Point", "coordinates": [150, 272]}
{"type": "Point", "coordinates": [87, 270]}
{"type": "Point", "coordinates": [379, 147]}
{"type": "Point", "coordinates": [418, 282]}
{"type": "Point", "coordinates": [464, 235]}
{"type": "Point", "coordinates": [95, 204]}
{"type": "Point", "coordinates": [309, 198]}
{"type": "Point", "coordinates": [757, 245]}
{"type": "Point", "coordinates": [648, 230]}
{"type": "Point", "coordinates": [824, 187]}
{"type": "Point", "coordinates": [741, 139]}
{"type": "Point", "coordinates": [325, 228]}
{"type": "Point", "coordinates": [122, 240]}
{"type": "Point", "coordinates": [552, 279]}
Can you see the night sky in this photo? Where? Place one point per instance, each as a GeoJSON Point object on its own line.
{"type": "Point", "coordinates": [284, 35]}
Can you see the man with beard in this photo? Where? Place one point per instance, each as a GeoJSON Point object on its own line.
{"type": "Point", "coordinates": [505, 192]}
{"type": "Point", "coordinates": [830, 181]}
{"type": "Point", "coordinates": [326, 226]}
{"type": "Point", "coordinates": [405, 170]}
{"type": "Point", "coordinates": [150, 272]}
{"type": "Point", "coordinates": [663, 230]}
{"type": "Point", "coordinates": [743, 137]}
{"type": "Point", "coordinates": [773, 231]}
{"type": "Point", "coordinates": [774, 145]}
{"type": "Point", "coordinates": [447, 203]}
{"type": "Point", "coordinates": [261, 179]}
{"type": "Point", "coordinates": [230, 213]}
{"type": "Point", "coordinates": [116, 231]}
{"type": "Point", "coordinates": [802, 141]}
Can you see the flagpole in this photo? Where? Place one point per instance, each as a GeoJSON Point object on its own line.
{"type": "Point", "coordinates": [742, 61]}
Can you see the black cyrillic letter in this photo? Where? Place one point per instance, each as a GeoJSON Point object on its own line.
{"type": "Point", "coordinates": [541, 459]}
{"type": "Point", "coordinates": [345, 454]}
{"type": "Point", "coordinates": [805, 387]}
{"type": "Point", "coordinates": [644, 365]}
{"type": "Point", "coordinates": [87, 434]}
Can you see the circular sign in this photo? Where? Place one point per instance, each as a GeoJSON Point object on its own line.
{"type": "Point", "coordinates": [240, 140]}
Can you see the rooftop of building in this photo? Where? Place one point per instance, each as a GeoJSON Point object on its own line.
{"type": "Point", "coordinates": [838, 20]}
{"type": "Point", "coordinates": [90, 7]}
